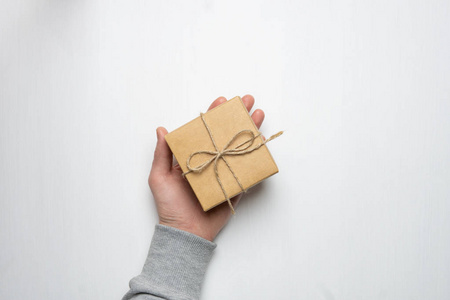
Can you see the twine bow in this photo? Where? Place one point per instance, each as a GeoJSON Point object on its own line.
{"type": "Point", "coordinates": [220, 154]}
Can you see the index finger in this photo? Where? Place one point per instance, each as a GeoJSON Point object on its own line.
{"type": "Point", "coordinates": [217, 102]}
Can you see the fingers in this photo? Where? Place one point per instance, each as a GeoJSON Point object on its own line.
{"type": "Point", "coordinates": [162, 161]}
{"type": "Point", "coordinates": [258, 117]}
{"type": "Point", "coordinates": [249, 101]}
{"type": "Point", "coordinates": [217, 102]}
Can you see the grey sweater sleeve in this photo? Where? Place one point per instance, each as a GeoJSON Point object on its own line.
{"type": "Point", "coordinates": [174, 268]}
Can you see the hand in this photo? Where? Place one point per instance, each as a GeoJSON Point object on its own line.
{"type": "Point", "coordinates": [175, 201]}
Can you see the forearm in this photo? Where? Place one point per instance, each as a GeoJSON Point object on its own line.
{"type": "Point", "coordinates": [175, 266]}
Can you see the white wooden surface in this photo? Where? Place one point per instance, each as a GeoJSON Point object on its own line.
{"type": "Point", "coordinates": [360, 208]}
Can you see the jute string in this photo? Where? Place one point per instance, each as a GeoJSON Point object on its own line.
{"type": "Point", "coordinates": [220, 154]}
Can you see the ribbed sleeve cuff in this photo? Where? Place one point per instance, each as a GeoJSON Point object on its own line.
{"type": "Point", "coordinates": [175, 265]}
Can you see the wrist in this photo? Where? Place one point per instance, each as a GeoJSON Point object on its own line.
{"type": "Point", "coordinates": [196, 230]}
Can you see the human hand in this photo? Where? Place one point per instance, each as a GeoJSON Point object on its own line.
{"type": "Point", "coordinates": [176, 203]}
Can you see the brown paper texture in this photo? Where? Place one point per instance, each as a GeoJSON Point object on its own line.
{"type": "Point", "coordinates": [224, 121]}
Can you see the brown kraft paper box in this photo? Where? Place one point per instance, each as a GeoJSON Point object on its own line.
{"type": "Point", "coordinates": [224, 122]}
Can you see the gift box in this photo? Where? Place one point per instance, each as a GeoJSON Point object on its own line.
{"type": "Point", "coordinates": [222, 153]}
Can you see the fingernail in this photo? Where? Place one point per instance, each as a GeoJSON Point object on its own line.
{"type": "Point", "coordinates": [157, 135]}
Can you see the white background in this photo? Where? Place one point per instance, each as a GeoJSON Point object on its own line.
{"type": "Point", "coordinates": [360, 208]}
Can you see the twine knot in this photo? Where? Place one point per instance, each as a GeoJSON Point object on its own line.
{"type": "Point", "coordinates": [240, 149]}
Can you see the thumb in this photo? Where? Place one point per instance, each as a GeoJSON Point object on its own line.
{"type": "Point", "coordinates": [162, 160]}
